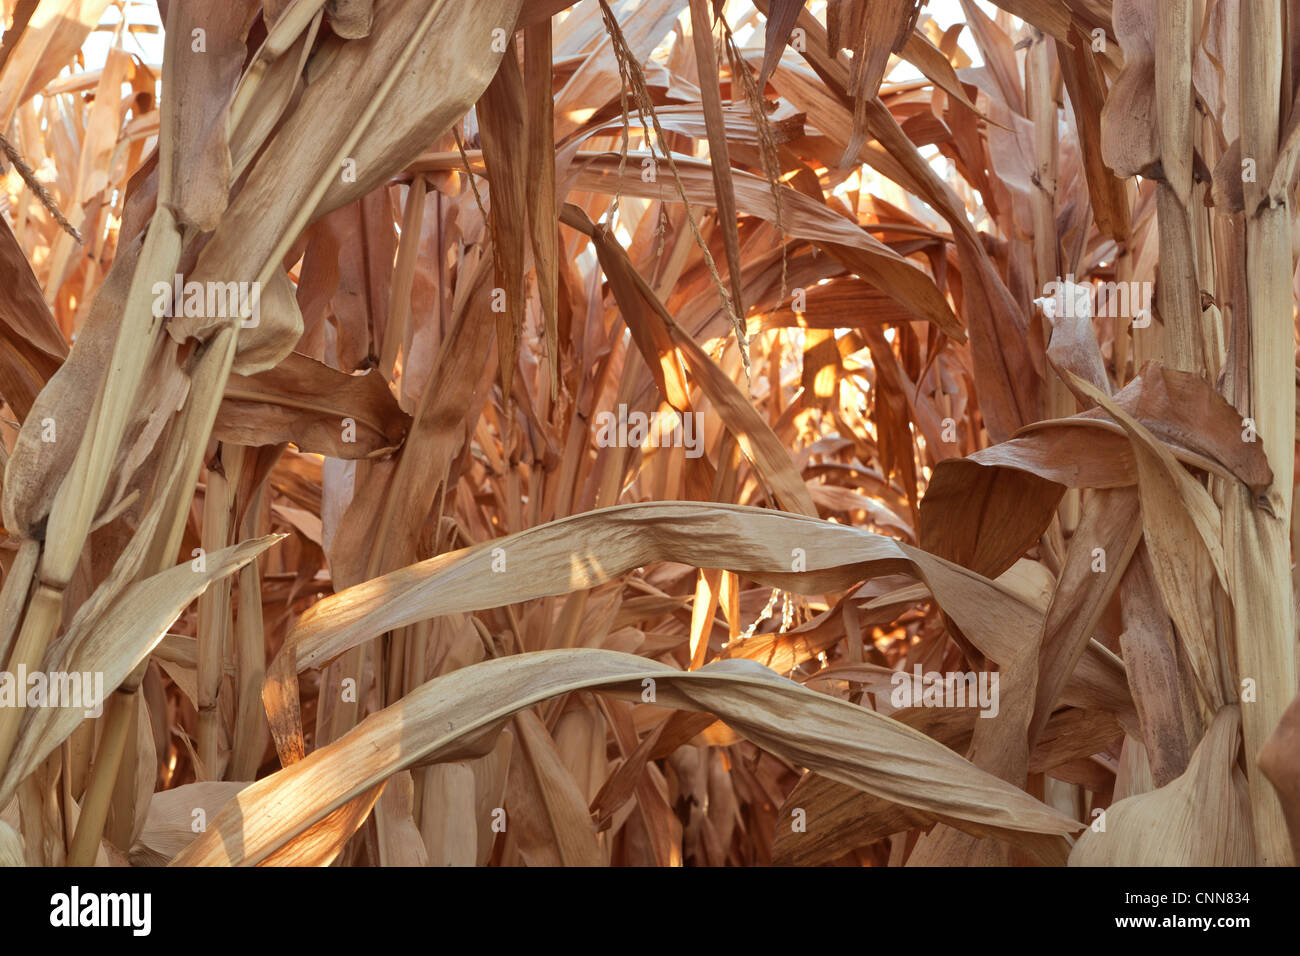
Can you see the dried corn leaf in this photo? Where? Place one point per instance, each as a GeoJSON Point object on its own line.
{"type": "Point", "coordinates": [457, 711]}
{"type": "Point", "coordinates": [1200, 819]}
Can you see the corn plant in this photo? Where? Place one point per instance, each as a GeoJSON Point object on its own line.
{"type": "Point", "coordinates": [648, 432]}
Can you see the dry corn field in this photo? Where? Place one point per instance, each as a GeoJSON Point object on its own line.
{"type": "Point", "coordinates": [649, 432]}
